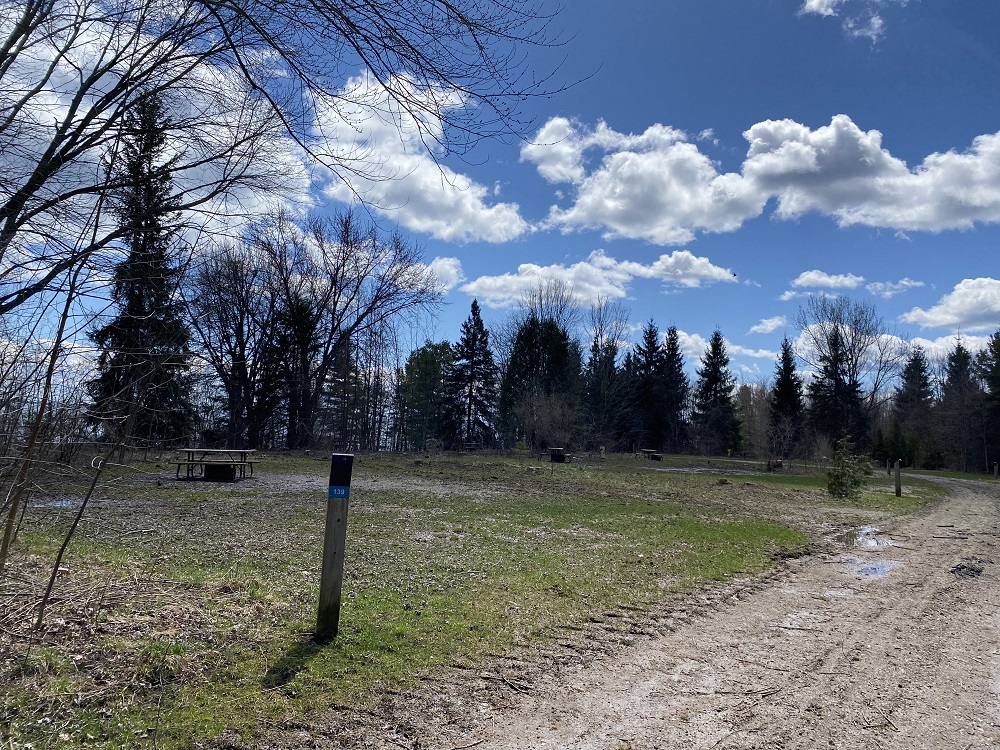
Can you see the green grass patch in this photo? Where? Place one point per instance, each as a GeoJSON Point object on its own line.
{"type": "Point", "coordinates": [449, 559]}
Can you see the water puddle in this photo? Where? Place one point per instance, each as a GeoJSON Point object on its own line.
{"type": "Point", "coordinates": [867, 537]}
{"type": "Point", "coordinates": [878, 569]}
{"type": "Point", "coordinates": [56, 504]}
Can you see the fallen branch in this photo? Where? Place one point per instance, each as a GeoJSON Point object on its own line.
{"type": "Point", "coordinates": [886, 717]}
{"type": "Point", "coordinates": [794, 627]}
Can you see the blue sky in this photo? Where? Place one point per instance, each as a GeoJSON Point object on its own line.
{"type": "Point", "coordinates": [806, 146]}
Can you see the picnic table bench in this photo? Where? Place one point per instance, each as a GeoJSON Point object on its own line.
{"type": "Point", "coordinates": [651, 454]}
{"type": "Point", "coordinates": [216, 464]}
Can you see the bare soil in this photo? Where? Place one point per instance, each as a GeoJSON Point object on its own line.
{"type": "Point", "coordinates": [887, 638]}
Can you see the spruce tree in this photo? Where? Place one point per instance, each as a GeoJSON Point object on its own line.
{"type": "Point", "coordinates": [836, 409]}
{"type": "Point", "coordinates": [786, 408]}
{"type": "Point", "coordinates": [988, 369]}
{"type": "Point", "coordinates": [540, 391]}
{"type": "Point", "coordinates": [910, 438]}
{"type": "Point", "coordinates": [716, 426]}
{"type": "Point", "coordinates": [142, 391]}
{"type": "Point", "coordinates": [648, 400]}
{"type": "Point", "coordinates": [602, 391]}
{"type": "Point", "coordinates": [676, 392]}
{"type": "Point", "coordinates": [471, 381]}
{"type": "Point", "coordinates": [958, 415]}
{"type": "Point", "coordinates": [426, 411]}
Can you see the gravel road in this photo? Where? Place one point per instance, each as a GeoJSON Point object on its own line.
{"type": "Point", "coordinates": [892, 643]}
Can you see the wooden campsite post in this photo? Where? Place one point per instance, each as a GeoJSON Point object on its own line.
{"type": "Point", "coordinates": [899, 485]}
{"type": "Point", "coordinates": [334, 540]}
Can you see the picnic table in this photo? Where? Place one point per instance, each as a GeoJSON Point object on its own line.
{"type": "Point", "coordinates": [216, 464]}
{"type": "Point", "coordinates": [651, 454]}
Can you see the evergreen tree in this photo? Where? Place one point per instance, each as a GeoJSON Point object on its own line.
{"type": "Point", "coordinates": [676, 392]}
{"type": "Point", "coordinates": [910, 438]}
{"type": "Point", "coordinates": [786, 414]}
{"type": "Point", "coordinates": [836, 409]}
{"type": "Point", "coordinates": [988, 370]}
{"type": "Point", "coordinates": [540, 390]}
{"type": "Point", "coordinates": [142, 391]}
{"type": "Point", "coordinates": [427, 413]}
{"type": "Point", "coordinates": [716, 426]}
{"type": "Point", "coordinates": [648, 402]}
{"type": "Point", "coordinates": [472, 380]}
{"type": "Point", "coordinates": [958, 415]}
{"type": "Point", "coordinates": [603, 390]}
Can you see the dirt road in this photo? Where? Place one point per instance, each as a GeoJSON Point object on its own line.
{"type": "Point", "coordinates": [889, 640]}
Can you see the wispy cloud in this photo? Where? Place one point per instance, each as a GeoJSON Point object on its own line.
{"type": "Point", "coordinates": [889, 289]}
{"type": "Point", "coordinates": [861, 19]}
{"type": "Point", "coordinates": [769, 325]}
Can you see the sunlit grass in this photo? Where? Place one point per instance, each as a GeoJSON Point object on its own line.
{"type": "Point", "coordinates": [449, 559]}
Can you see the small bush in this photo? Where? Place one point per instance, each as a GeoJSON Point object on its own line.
{"type": "Point", "coordinates": [846, 475]}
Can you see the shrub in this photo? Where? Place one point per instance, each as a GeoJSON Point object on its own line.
{"type": "Point", "coordinates": [846, 475]}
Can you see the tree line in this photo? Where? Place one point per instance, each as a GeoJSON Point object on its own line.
{"type": "Point", "coordinates": [851, 383]}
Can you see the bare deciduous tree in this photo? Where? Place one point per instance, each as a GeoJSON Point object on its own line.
{"type": "Point", "coordinates": [873, 353]}
{"type": "Point", "coordinates": [238, 78]}
{"type": "Point", "coordinates": [290, 303]}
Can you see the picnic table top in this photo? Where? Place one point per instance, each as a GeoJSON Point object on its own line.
{"type": "Point", "coordinates": [207, 452]}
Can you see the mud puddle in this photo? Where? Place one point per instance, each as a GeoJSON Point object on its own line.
{"type": "Point", "coordinates": [867, 537]}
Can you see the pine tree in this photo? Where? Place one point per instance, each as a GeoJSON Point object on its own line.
{"type": "Point", "coordinates": [988, 369]}
{"type": "Point", "coordinates": [471, 381]}
{"type": "Point", "coordinates": [648, 389]}
{"type": "Point", "coordinates": [540, 390]}
{"type": "Point", "coordinates": [142, 391]}
{"type": "Point", "coordinates": [910, 439]}
{"type": "Point", "coordinates": [603, 390]}
{"type": "Point", "coordinates": [426, 411]}
{"type": "Point", "coordinates": [836, 409]}
{"type": "Point", "coordinates": [716, 426]}
{"type": "Point", "coordinates": [958, 415]}
{"type": "Point", "coordinates": [787, 410]}
{"type": "Point", "coordinates": [676, 392]}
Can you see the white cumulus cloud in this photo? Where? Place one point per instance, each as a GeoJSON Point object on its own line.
{"type": "Point", "coordinates": [447, 272]}
{"type": "Point", "coordinates": [658, 186]}
{"type": "Point", "coordinates": [790, 295]}
{"type": "Point", "coordinates": [821, 7]}
{"type": "Point", "coordinates": [400, 176]}
{"type": "Point", "coordinates": [600, 276]}
{"type": "Point", "coordinates": [940, 347]}
{"type": "Point", "coordinates": [693, 346]}
{"type": "Point", "coordinates": [973, 305]}
{"type": "Point", "coordinates": [821, 280]}
{"type": "Point", "coordinates": [737, 350]}
{"type": "Point", "coordinates": [655, 186]}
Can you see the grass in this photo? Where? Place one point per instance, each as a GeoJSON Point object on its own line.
{"type": "Point", "coordinates": [186, 608]}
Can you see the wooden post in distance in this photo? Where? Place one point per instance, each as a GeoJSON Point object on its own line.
{"type": "Point", "coordinates": [899, 485]}
{"type": "Point", "coordinates": [334, 540]}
